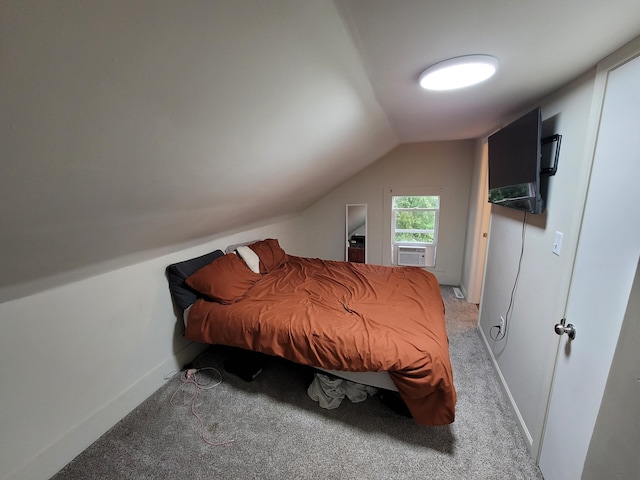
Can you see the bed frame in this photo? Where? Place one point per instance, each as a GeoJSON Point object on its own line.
{"type": "Point", "coordinates": [180, 272]}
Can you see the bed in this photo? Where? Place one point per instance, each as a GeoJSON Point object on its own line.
{"type": "Point", "coordinates": [333, 315]}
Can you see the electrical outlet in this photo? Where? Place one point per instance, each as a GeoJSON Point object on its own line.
{"type": "Point", "coordinates": [501, 324]}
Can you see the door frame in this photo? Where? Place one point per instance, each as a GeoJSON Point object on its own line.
{"type": "Point", "coordinates": [625, 54]}
{"type": "Point", "coordinates": [475, 279]}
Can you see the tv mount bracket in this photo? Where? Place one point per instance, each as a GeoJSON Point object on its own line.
{"type": "Point", "coordinates": [554, 168]}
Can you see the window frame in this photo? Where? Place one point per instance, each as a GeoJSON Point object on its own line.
{"type": "Point", "coordinates": [390, 252]}
{"type": "Point", "coordinates": [436, 221]}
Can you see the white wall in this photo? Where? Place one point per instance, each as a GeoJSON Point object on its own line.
{"type": "Point", "coordinates": [434, 164]}
{"type": "Point", "coordinates": [525, 358]}
{"type": "Point", "coordinates": [75, 359]}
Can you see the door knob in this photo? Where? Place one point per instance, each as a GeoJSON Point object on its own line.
{"type": "Point", "coordinates": [569, 329]}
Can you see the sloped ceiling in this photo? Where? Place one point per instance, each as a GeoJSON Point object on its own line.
{"type": "Point", "coordinates": [133, 125]}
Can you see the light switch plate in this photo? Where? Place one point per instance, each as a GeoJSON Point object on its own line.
{"type": "Point", "coordinates": [557, 243]}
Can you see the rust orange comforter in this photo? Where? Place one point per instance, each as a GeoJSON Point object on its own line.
{"type": "Point", "coordinates": [345, 316]}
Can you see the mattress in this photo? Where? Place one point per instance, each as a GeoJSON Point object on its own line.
{"type": "Point", "coordinates": [345, 317]}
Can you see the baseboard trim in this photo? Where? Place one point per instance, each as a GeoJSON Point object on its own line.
{"type": "Point", "coordinates": [514, 407]}
{"type": "Point", "coordinates": [49, 461]}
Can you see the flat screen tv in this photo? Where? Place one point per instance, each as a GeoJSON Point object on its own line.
{"type": "Point", "coordinates": [514, 164]}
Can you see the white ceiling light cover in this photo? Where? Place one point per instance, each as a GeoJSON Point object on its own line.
{"type": "Point", "coordinates": [458, 72]}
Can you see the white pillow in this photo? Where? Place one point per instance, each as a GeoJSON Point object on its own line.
{"type": "Point", "coordinates": [185, 315]}
{"type": "Point", "coordinates": [250, 258]}
{"type": "Point", "coordinates": [233, 247]}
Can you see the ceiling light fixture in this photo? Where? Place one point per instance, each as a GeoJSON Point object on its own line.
{"type": "Point", "coordinates": [458, 72]}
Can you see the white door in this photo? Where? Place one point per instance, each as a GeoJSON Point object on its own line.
{"type": "Point", "coordinates": [604, 269]}
{"type": "Point", "coordinates": [480, 238]}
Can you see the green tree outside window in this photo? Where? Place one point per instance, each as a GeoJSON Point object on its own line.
{"type": "Point", "coordinates": [416, 219]}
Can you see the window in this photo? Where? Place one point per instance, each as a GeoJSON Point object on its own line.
{"type": "Point", "coordinates": [415, 229]}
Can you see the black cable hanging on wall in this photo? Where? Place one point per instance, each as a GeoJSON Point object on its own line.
{"type": "Point", "coordinates": [502, 332]}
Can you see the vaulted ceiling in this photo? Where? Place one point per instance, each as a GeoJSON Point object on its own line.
{"type": "Point", "coordinates": [134, 125]}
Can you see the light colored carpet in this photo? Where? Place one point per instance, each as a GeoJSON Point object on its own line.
{"type": "Point", "coordinates": [280, 433]}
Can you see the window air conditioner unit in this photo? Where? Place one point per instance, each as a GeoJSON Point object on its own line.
{"type": "Point", "coordinates": [412, 256]}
